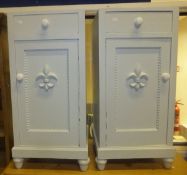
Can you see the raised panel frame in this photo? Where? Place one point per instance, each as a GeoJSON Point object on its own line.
{"type": "Point", "coordinates": [28, 86]}
{"type": "Point", "coordinates": [156, 134]}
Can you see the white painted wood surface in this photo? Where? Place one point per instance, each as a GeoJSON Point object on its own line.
{"type": "Point", "coordinates": [47, 66]}
{"type": "Point", "coordinates": [135, 98]}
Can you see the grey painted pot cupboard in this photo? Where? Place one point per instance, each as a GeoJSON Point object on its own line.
{"type": "Point", "coordinates": [47, 64]}
{"type": "Point", "coordinates": [134, 67]}
{"type": "Point", "coordinates": [134, 73]}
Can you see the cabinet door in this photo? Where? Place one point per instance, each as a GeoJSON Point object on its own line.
{"type": "Point", "coordinates": [47, 92]}
{"type": "Point", "coordinates": [137, 87]}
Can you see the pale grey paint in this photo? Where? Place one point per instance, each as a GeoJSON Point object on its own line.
{"type": "Point", "coordinates": [48, 123]}
{"type": "Point", "coordinates": [135, 123]}
{"type": "Point", "coordinates": [139, 116]}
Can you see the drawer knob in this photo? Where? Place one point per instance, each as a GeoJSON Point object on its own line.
{"type": "Point", "coordinates": [165, 77]}
{"type": "Point", "coordinates": [138, 22]}
{"type": "Point", "coordinates": [19, 77]}
{"type": "Point", "coordinates": [45, 23]}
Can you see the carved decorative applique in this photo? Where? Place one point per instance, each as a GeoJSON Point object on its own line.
{"type": "Point", "coordinates": [46, 78]}
{"type": "Point", "coordinates": [137, 79]}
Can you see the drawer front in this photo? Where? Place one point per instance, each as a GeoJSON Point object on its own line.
{"type": "Point", "coordinates": [138, 22]}
{"type": "Point", "coordinates": [45, 26]}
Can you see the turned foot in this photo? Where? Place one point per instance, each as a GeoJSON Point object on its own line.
{"type": "Point", "coordinates": [83, 163]}
{"type": "Point", "coordinates": [100, 163]}
{"type": "Point", "coordinates": [18, 162]}
{"type": "Point", "coordinates": [168, 163]}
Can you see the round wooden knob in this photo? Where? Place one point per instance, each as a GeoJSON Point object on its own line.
{"type": "Point", "coordinates": [45, 23]}
{"type": "Point", "coordinates": [138, 22]}
{"type": "Point", "coordinates": [165, 77]}
{"type": "Point", "coordinates": [19, 77]}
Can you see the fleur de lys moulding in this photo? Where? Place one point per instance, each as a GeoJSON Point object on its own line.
{"type": "Point", "coordinates": [46, 79]}
{"type": "Point", "coordinates": [137, 79]}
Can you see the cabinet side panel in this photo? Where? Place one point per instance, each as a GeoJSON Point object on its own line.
{"type": "Point", "coordinates": [95, 52]}
{"type": "Point", "coordinates": [171, 113]}
{"type": "Point", "coordinates": [82, 83]}
{"type": "Point", "coordinates": [12, 63]}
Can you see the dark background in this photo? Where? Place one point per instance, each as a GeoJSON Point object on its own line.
{"type": "Point", "coordinates": [22, 3]}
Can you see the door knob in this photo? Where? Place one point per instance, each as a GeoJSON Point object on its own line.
{"type": "Point", "coordinates": [19, 77]}
{"type": "Point", "coordinates": [165, 77]}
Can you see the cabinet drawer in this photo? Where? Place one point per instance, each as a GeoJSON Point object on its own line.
{"type": "Point", "coordinates": [45, 26]}
{"type": "Point", "coordinates": [133, 22]}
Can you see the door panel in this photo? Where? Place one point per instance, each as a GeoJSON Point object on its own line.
{"type": "Point", "coordinates": [48, 94]}
{"type": "Point", "coordinates": [137, 98]}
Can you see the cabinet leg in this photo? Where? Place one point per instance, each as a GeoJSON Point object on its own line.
{"type": "Point", "coordinates": [83, 163]}
{"type": "Point", "coordinates": [18, 162]}
{"type": "Point", "coordinates": [100, 163]}
{"type": "Point", "coordinates": [168, 163]}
